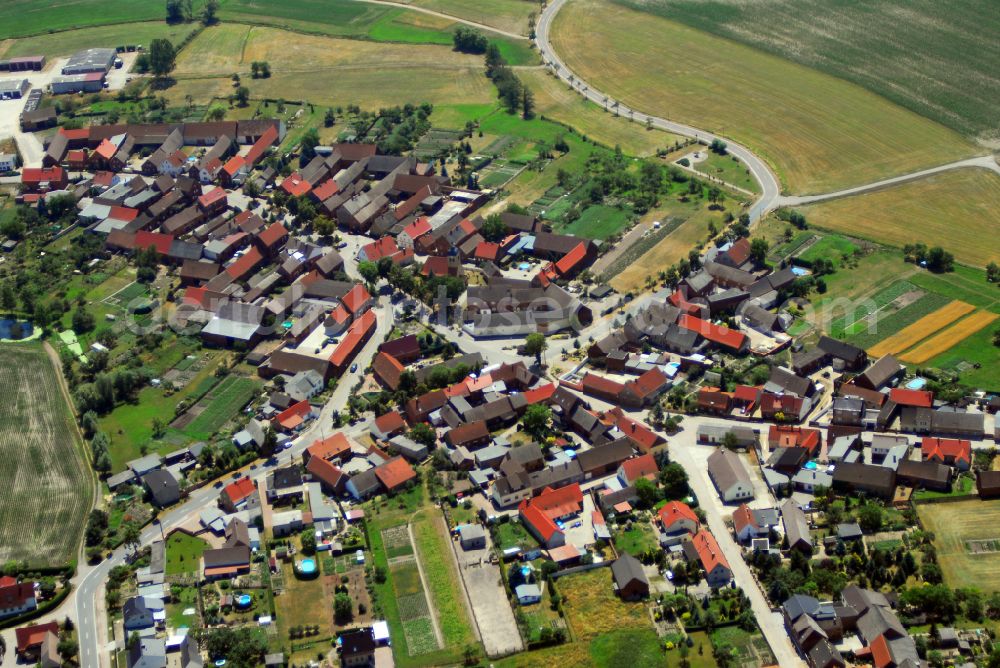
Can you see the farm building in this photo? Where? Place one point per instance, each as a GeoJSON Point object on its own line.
{"type": "Point", "coordinates": [23, 64]}
{"type": "Point", "coordinates": [78, 83]}
{"type": "Point", "coordinates": [90, 61]}
{"type": "Point", "coordinates": [14, 89]}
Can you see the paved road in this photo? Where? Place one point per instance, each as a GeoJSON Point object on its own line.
{"type": "Point", "coordinates": [90, 621]}
{"type": "Point", "coordinates": [450, 17]}
{"type": "Point", "coordinates": [983, 162]}
{"type": "Point", "coordinates": [765, 177]}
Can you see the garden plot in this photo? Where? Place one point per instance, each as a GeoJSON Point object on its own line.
{"type": "Point", "coordinates": [411, 599]}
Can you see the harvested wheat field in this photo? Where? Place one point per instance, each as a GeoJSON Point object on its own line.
{"type": "Point", "coordinates": [949, 337]}
{"type": "Point", "coordinates": [921, 329]}
{"type": "Point", "coordinates": [820, 133]}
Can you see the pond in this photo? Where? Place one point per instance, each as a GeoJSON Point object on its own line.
{"type": "Point", "coordinates": [15, 329]}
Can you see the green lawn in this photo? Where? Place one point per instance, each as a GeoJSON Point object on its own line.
{"type": "Point", "coordinates": [636, 648]}
{"type": "Point", "coordinates": [19, 18]}
{"type": "Point", "coordinates": [637, 540]}
{"type": "Point", "coordinates": [831, 247]}
{"type": "Point", "coordinates": [598, 222]}
{"type": "Point", "coordinates": [728, 169]}
{"type": "Point", "coordinates": [513, 534]}
{"type": "Point", "coordinates": [109, 36]}
{"type": "Point", "coordinates": [184, 553]}
{"type": "Point", "coordinates": [446, 595]}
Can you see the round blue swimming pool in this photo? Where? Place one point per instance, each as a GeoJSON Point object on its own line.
{"type": "Point", "coordinates": [307, 566]}
{"type": "Point", "coordinates": [244, 600]}
{"type": "Point", "coordinates": [812, 466]}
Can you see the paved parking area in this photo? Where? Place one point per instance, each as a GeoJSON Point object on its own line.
{"type": "Point", "coordinates": [10, 112]}
{"type": "Point", "coordinates": [583, 535]}
{"type": "Point", "coordinates": [490, 606]}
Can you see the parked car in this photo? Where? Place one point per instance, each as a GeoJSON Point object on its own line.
{"type": "Point", "coordinates": [354, 367]}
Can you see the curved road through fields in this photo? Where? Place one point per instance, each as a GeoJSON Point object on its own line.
{"type": "Point", "coordinates": [770, 187]}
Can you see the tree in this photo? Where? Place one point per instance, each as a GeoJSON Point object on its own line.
{"type": "Point", "coordinates": [469, 40]}
{"type": "Point", "coordinates": [493, 228]}
{"type": "Point", "coordinates": [209, 14]}
{"type": "Point", "coordinates": [308, 539]}
{"type": "Point", "coordinates": [83, 320]}
{"type": "Point", "coordinates": [527, 104]}
{"type": "Point", "coordinates": [161, 57]}
{"type": "Point", "coordinates": [718, 146]}
{"type": "Point", "coordinates": [470, 655]}
{"type": "Point", "coordinates": [535, 344]}
{"type": "Point", "coordinates": [674, 479]}
{"type": "Point", "coordinates": [536, 420]}
{"type": "Point", "coordinates": [175, 11]}
{"type": "Point", "coordinates": [329, 119]}
{"type": "Point", "coordinates": [758, 251]}
{"type": "Point", "coordinates": [343, 608]}
{"type": "Point", "coordinates": [130, 535]}
{"type": "Point", "coordinates": [308, 144]}
{"type": "Point", "coordinates": [67, 648]}
{"type": "Point", "coordinates": [424, 434]}
{"type": "Point", "coordinates": [242, 96]}
{"type": "Point", "coordinates": [870, 517]}
{"type": "Point", "coordinates": [993, 272]}
{"type": "Point", "coordinates": [730, 441]}
{"type": "Point", "coordinates": [368, 271]}
{"type": "Point", "coordinates": [647, 493]}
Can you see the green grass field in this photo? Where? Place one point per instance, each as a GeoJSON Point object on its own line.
{"type": "Point", "coordinates": [831, 247]}
{"type": "Point", "coordinates": [184, 553]}
{"type": "Point", "coordinates": [933, 58]}
{"type": "Point", "coordinates": [820, 133]}
{"type": "Point", "coordinates": [639, 539]}
{"type": "Point", "coordinates": [446, 595]}
{"type": "Point", "coordinates": [598, 222]}
{"type": "Point", "coordinates": [109, 36]}
{"type": "Point", "coordinates": [48, 485]}
{"type": "Point", "coordinates": [728, 169]}
{"type": "Point", "coordinates": [955, 523]}
{"type": "Point", "coordinates": [507, 15]}
{"type": "Point", "coordinates": [19, 18]}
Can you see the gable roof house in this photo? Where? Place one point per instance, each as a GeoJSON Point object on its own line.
{"type": "Point", "coordinates": [729, 475]}
{"type": "Point", "coordinates": [631, 583]}
{"type": "Point", "coordinates": [676, 519]}
{"type": "Point", "coordinates": [796, 527]}
{"type": "Point", "coordinates": [703, 548]}
{"type": "Point", "coordinates": [539, 514]}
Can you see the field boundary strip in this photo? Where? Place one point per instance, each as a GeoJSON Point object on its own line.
{"type": "Point", "coordinates": [922, 329]}
{"type": "Point", "coordinates": [945, 340]}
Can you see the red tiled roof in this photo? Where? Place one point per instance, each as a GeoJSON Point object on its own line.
{"type": "Point", "coordinates": [568, 263]}
{"type": "Point", "coordinates": [540, 394]}
{"type": "Point", "coordinates": [356, 333]}
{"type": "Point", "coordinates": [719, 334]}
{"type": "Point", "coordinates": [643, 466]}
{"type": "Point", "coordinates": [746, 393]}
{"type": "Point", "coordinates": [41, 174]}
{"type": "Point", "coordinates": [598, 383]}
{"type": "Point", "coordinates": [16, 595]}
{"type": "Point", "coordinates": [324, 471]}
{"type": "Point", "coordinates": [435, 265]}
{"type": "Point", "coordinates": [742, 518]}
{"type": "Point", "coordinates": [739, 252]}
{"type": "Point", "coordinates": [29, 637]}
{"type": "Point", "coordinates": [674, 511]}
{"type": "Point", "coordinates": [387, 369]}
{"type": "Point", "coordinates": [379, 249]}
{"type": "Point", "coordinates": [325, 190]}
{"type": "Point", "coordinates": [266, 140]}
{"type": "Point", "coordinates": [239, 490]}
{"type": "Point", "coordinates": [233, 165]}
{"type": "Point", "coordinates": [123, 213]}
{"type": "Point", "coordinates": [295, 185]}
{"type": "Point", "coordinates": [417, 228]}
{"type": "Point", "coordinates": [881, 654]}
{"type": "Point", "coordinates": [106, 149]}
{"type": "Point", "coordinates": [556, 503]}
{"type": "Point", "coordinates": [294, 415]}
{"type": "Point", "coordinates": [394, 473]}
{"type": "Point", "coordinates": [487, 251]}
{"type": "Point", "coordinates": [708, 551]}
{"type": "Point", "coordinates": [904, 397]}
{"type": "Point", "coordinates": [404, 209]}
{"type": "Point", "coordinates": [331, 447]}
{"type": "Point", "coordinates": [468, 227]}
{"type": "Point", "coordinates": [161, 242]}
{"type": "Point", "coordinates": [274, 233]}
{"type": "Point", "coordinates": [946, 449]}
{"type": "Point", "coordinates": [247, 263]}
{"type": "Point", "coordinates": [644, 437]}
{"type": "Point", "coordinates": [212, 197]}
{"type": "Point", "coordinates": [354, 299]}
{"type": "Point", "coordinates": [780, 403]}
{"type": "Point", "coordinates": [390, 422]}
{"type": "Point", "coordinates": [340, 315]}
{"type": "Point", "coordinates": [786, 436]}
{"type": "Point", "coordinates": [536, 519]}
{"type": "Point", "coordinates": [75, 135]}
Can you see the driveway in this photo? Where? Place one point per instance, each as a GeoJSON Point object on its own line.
{"type": "Point", "coordinates": [488, 598]}
{"type": "Point", "coordinates": [10, 113]}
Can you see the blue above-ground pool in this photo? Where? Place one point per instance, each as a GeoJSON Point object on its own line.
{"type": "Point", "coordinates": [524, 266]}
{"type": "Point", "coordinates": [244, 600]}
{"type": "Point", "coordinates": [307, 567]}
{"type": "Point", "coordinates": [812, 466]}
{"type": "Point", "coordinates": [799, 271]}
